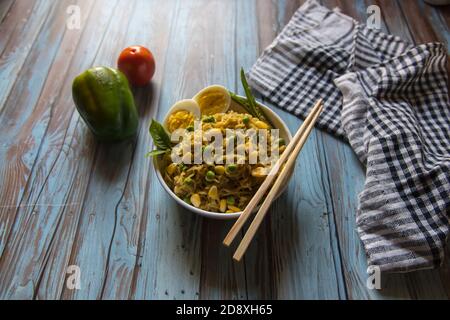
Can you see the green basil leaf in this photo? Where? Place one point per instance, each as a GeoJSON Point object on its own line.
{"type": "Point", "coordinates": [160, 137]}
{"type": "Point", "coordinates": [154, 153]}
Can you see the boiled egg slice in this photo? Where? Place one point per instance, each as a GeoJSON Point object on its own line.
{"type": "Point", "coordinates": [213, 99]}
{"type": "Point", "coordinates": [181, 115]}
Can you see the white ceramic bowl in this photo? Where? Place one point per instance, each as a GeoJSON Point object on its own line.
{"type": "Point", "coordinates": [284, 133]}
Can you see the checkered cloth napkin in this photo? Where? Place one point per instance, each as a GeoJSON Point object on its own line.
{"type": "Point", "coordinates": [389, 100]}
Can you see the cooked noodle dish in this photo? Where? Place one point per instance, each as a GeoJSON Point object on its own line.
{"type": "Point", "coordinates": [215, 150]}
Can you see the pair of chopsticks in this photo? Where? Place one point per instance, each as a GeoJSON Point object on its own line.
{"type": "Point", "coordinates": [288, 158]}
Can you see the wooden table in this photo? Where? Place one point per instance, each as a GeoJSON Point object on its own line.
{"type": "Point", "coordinates": [67, 200]}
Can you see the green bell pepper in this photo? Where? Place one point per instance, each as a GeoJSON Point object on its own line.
{"type": "Point", "coordinates": [105, 102]}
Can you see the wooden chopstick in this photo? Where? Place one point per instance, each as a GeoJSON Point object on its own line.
{"type": "Point", "coordinates": [271, 177]}
{"type": "Point", "coordinates": [276, 187]}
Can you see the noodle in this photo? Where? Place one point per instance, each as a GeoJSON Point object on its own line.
{"type": "Point", "coordinates": [217, 187]}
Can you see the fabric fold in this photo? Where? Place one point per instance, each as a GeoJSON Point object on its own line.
{"type": "Point", "coordinates": [389, 100]}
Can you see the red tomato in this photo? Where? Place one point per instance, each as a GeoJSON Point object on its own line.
{"type": "Point", "coordinates": [138, 64]}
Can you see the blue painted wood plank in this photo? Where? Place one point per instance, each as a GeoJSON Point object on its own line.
{"type": "Point", "coordinates": [444, 272]}
{"type": "Point", "coordinates": [438, 23]}
{"type": "Point", "coordinates": [346, 180]}
{"type": "Point", "coordinates": [420, 29]}
{"type": "Point", "coordinates": [114, 220]}
{"type": "Point", "coordinates": [221, 277]}
{"type": "Point", "coordinates": [300, 239]}
{"type": "Point", "coordinates": [62, 153]}
{"type": "Point", "coordinates": [19, 128]}
{"type": "Point", "coordinates": [133, 209]}
{"type": "Point", "coordinates": [16, 45]}
{"type": "Point", "coordinates": [107, 178]}
{"type": "Point", "coordinates": [392, 19]}
{"type": "Point", "coordinates": [306, 262]}
{"type": "Point", "coordinates": [175, 237]}
{"type": "Point", "coordinates": [5, 7]}
{"type": "Point", "coordinates": [258, 261]}
{"type": "Point", "coordinates": [13, 116]}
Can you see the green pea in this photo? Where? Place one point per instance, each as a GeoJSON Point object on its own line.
{"type": "Point", "coordinates": [188, 180]}
{"type": "Point", "coordinates": [230, 200]}
{"type": "Point", "coordinates": [246, 120]}
{"type": "Point", "coordinates": [210, 175]}
{"type": "Point", "coordinates": [231, 167]}
{"type": "Point", "coordinates": [209, 119]}
{"type": "Point", "coordinates": [281, 142]}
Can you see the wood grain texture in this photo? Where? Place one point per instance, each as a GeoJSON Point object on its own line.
{"type": "Point", "coordinates": [20, 132]}
{"type": "Point", "coordinates": [69, 200]}
{"type": "Point", "coordinates": [5, 6]}
{"type": "Point", "coordinates": [49, 192]}
{"type": "Point", "coordinates": [12, 118]}
{"type": "Point", "coordinates": [106, 178]}
{"type": "Point", "coordinates": [301, 238]}
{"type": "Point", "coordinates": [346, 180]}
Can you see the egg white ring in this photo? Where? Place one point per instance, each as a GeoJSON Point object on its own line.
{"type": "Point", "coordinates": [189, 105]}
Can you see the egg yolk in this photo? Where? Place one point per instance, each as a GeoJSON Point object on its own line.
{"type": "Point", "coordinates": [211, 102]}
{"type": "Point", "coordinates": [179, 119]}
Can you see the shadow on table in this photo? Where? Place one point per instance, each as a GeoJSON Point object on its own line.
{"type": "Point", "coordinates": [113, 159]}
{"type": "Point", "coordinates": [252, 277]}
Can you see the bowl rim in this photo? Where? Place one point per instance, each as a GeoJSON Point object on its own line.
{"type": "Point", "coordinates": [220, 215]}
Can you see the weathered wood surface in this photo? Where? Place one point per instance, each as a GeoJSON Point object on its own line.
{"type": "Point", "coordinates": [67, 200]}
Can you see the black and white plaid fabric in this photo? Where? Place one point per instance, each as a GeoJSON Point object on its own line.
{"type": "Point", "coordinates": [389, 100]}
